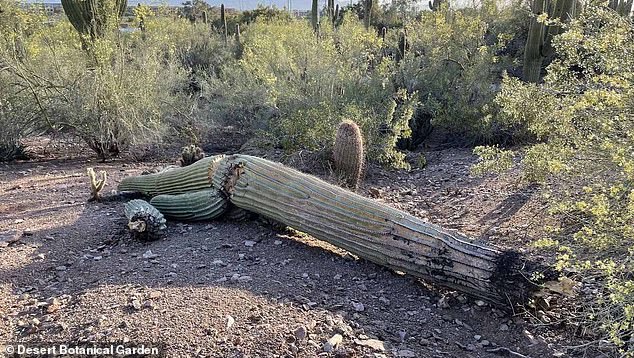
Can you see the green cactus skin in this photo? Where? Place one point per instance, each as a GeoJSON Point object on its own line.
{"type": "Point", "coordinates": [435, 5]}
{"type": "Point", "coordinates": [205, 18]}
{"type": "Point", "coordinates": [538, 44]}
{"type": "Point", "coordinates": [234, 213]}
{"type": "Point", "coordinates": [96, 185]}
{"type": "Point", "coordinates": [368, 13]}
{"type": "Point", "coordinates": [174, 181]}
{"type": "Point", "coordinates": [402, 45]}
{"type": "Point", "coordinates": [89, 17]}
{"type": "Point", "coordinates": [145, 221]}
{"type": "Point", "coordinates": [348, 153]}
{"type": "Point", "coordinates": [223, 22]}
{"type": "Point", "coordinates": [622, 7]}
{"type": "Point", "coordinates": [195, 206]}
{"type": "Point", "coordinates": [365, 227]}
{"type": "Point", "coordinates": [314, 16]}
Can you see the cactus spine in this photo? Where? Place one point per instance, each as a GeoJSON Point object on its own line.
{"type": "Point", "coordinates": [223, 22]}
{"type": "Point", "coordinates": [191, 154]}
{"type": "Point", "coordinates": [144, 221]}
{"type": "Point", "coordinates": [94, 18]}
{"type": "Point", "coordinates": [96, 185]}
{"type": "Point", "coordinates": [194, 206]}
{"type": "Point", "coordinates": [348, 153]}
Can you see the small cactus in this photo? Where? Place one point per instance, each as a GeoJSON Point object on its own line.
{"type": "Point", "coordinates": [348, 153]}
{"type": "Point", "coordinates": [191, 154]}
{"type": "Point", "coordinates": [205, 18]}
{"type": "Point", "coordinates": [96, 185]}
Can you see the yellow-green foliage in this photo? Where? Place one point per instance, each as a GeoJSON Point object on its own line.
{"type": "Point", "coordinates": [312, 85]}
{"type": "Point", "coordinates": [583, 116]}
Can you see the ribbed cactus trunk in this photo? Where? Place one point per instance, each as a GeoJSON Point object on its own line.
{"type": "Point", "coordinates": [533, 51]}
{"type": "Point", "coordinates": [314, 16]}
{"type": "Point", "coordinates": [367, 228]}
{"type": "Point", "coordinates": [368, 13]}
{"type": "Point", "coordinates": [94, 17]}
{"type": "Point", "coordinates": [223, 22]}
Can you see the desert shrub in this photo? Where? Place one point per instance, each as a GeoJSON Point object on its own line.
{"type": "Point", "coordinates": [456, 69]}
{"type": "Point", "coordinates": [583, 117]}
{"type": "Point", "coordinates": [305, 86]}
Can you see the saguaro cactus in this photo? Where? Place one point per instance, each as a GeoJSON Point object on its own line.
{"type": "Point", "coordinates": [194, 206]}
{"type": "Point", "coordinates": [538, 43]}
{"type": "Point", "coordinates": [223, 22]}
{"type": "Point", "coordinates": [434, 5]}
{"type": "Point", "coordinates": [144, 221]}
{"type": "Point", "coordinates": [94, 17]}
{"type": "Point", "coordinates": [623, 7]}
{"type": "Point", "coordinates": [314, 16]}
{"type": "Point", "coordinates": [367, 228]}
{"type": "Point", "coordinates": [348, 153]}
{"type": "Point", "coordinates": [368, 4]}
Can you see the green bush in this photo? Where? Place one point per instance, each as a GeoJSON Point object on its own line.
{"type": "Point", "coordinates": [455, 65]}
{"type": "Point", "coordinates": [303, 87]}
{"type": "Point", "coordinates": [583, 117]}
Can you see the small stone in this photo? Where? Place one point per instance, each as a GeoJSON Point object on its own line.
{"type": "Point", "coordinates": [375, 344]}
{"type": "Point", "coordinates": [480, 303]}
{"type": "Point", "coordinates": [477, 337]}
{"type": "Point", "coordinates": [332, 343]}
{"type": "Point", "coordinates": [358, 306]}
{"type": "Point", "coordinates": [305, 275]}
{"type": "Point", "coordinates": [245, 279]}
{"type": "Point", "coordinates": [60, 268]}
{"type": "Point", "coordinates": [149, 255]}
{"type": "Point", "coordinates": [54, 306]}
{"type": "Point", "coordinates": [136, 304]}
{"type": "Point", "coordinates": [337, 277]}
{"type": "Point", "coordinates": [504, 327]}
{"type": "Point", "coordinates": [401, 335]}
{"type": "Point", "coordinates": [300, 333]}
{"type": "Point", "coordinates": [470, 347]}
{"type": "Point", "coordinates": [155, 295]}
{"type": "Point", "coordinates": [277, 242]}
{"type": "Point", "coordinates": [442, 302]}
{"type": "Point", "coordinates": [249, 243]}
{"type": "Point", "coordinates": [230, 321]}
{"type": "Point", "coordinates": [485, 343]}
{"type": "Point", "coordinates": [405, 353]}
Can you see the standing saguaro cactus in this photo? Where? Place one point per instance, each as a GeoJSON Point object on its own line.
{"type": "Point", "coordinates": [538, 43]}
{"type": "Point", "coordinates": [434, 5]}
{"type": "Point", "coordinates": [94, 18]}
{"type": "Point", "coordinates": [622, 7]}
{"type": "Point", "coordinates": [223, 22]}
{"type": "Point", "coordinates": [403, 45]}
{"type": "Point", "coordinates": [314, 16]}
{"type": "Point", "coordinates": [348, 153]}
{"type": "Point", "coordinates": [368, 13]}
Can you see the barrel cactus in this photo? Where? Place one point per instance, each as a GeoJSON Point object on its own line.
{"type": "Point", "coordinates": [145, 221]}
{"type": "Point", "coordinates": [191, 154]}
{"type": "Point", "coordinates": [348, 155]}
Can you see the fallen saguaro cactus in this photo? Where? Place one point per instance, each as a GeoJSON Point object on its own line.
{"type": "Point", "coordinates": [198, 205]}
{"type": "Point", "coordinates": [365, 227]}
{"type": "Point", "coordinates": [144, 220]}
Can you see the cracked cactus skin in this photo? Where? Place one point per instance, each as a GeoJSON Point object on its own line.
{"type": "Point", "coordinates": [195, 206]}
{"type": "Point", "coordinates": [369, 229]}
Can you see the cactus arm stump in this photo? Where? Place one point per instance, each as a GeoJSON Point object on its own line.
{"type": "Point", "coordinates": [144, 221]}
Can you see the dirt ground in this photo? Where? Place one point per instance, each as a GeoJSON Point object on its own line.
{"type": "Point", "coordinates": [243, 289]}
